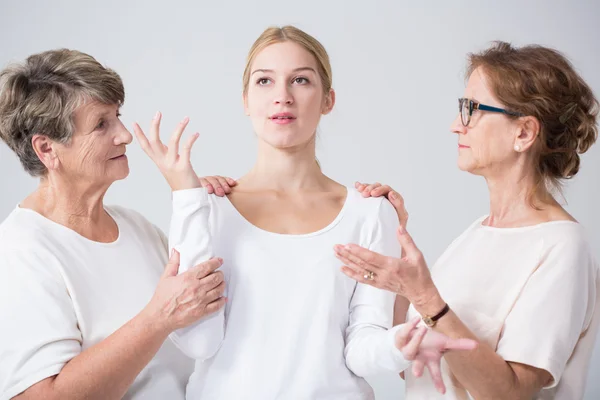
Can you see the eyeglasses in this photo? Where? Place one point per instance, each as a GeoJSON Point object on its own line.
{"type": "Point", "coordinates": [467, 106]}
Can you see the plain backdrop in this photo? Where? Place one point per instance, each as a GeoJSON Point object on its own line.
{"type": "Point", "coordinates": [398, 69]}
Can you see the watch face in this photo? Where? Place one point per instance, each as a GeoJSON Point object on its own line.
{"type": "Point", "coordinates": [428, 321]}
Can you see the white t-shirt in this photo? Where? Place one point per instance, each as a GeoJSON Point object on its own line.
{"type": "Point", "coordinates": [294, 326]}
{"type": "Point", "coordinates": [531, 293]}
{"type": "Point", "coordinates": [61, 293]}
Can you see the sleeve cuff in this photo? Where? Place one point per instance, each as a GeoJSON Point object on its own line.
{"type": "Point", "coordinates": [391, 357]}
{"type": "Point", "coordinates": [31, 380]}
{"type": "Point", "coordinates": [185, 197]}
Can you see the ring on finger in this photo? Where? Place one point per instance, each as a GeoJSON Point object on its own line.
{"type": "Point", "coordinates": [369, 275]}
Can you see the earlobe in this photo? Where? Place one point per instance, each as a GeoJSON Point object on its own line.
{"type": "Point", "coordinates": [528, 133]}
{"type": "Point", "coordinates": [329, 102]}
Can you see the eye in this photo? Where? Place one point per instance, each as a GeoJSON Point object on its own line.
{"type": "Point", "coordinates": [301, 80]}
{"type": "Point", "coordinates": [263, 81]}
{"type": "Point", "coordinates": [101, 125]}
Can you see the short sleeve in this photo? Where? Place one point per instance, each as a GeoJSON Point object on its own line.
{"type": "Point", "coordinates": [370, 345]}
{"type": "Point", "coordinates": [553, 310]}
{"type": "Point", "coordinates": [39, 333]}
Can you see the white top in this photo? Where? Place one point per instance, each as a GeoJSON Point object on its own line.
{"type": "Point", "coordinates": [294, 327]}
{"type": "Point", "coordinates": [531, 293]}
{"type": "Point", "coordinates": [61, 293]}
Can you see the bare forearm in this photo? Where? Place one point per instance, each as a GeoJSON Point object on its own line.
{"type": "Point", "coordinates": [483, 373]}
{"type": "Point", "coordinates": [106, 370]}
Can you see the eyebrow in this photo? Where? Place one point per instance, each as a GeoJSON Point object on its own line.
{"type": "Point", "coordinates": [295, 70]}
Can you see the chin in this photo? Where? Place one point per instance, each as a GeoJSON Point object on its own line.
{"type": "Point", "coordinates": [286, 140]}
{"type": "Point", "coordinates": [465, 165]}
{"type": "Point", "coordinates": [120, 175]}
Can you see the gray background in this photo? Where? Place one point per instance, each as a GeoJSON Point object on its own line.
{"type": "Point", "coordinates": [398, 69]}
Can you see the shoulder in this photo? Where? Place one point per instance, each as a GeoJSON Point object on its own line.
{"type": "Point", "coordinates": [27, 249]}
{"type": "Point", "coordinates": [370, 208]}
{"type": "Point", "coordinates": [566, 243]}
{"type": "Point", "coordinates": [25, 230]}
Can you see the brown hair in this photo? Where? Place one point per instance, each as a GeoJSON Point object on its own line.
{"type": "Point", "coordinates": [541, 82]}
{"type": "Point", "coordinates": [290, 33]}
{"type": "Point", "coordinates": [40, 95]}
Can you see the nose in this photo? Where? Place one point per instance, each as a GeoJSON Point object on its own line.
{"type": "Point", "coordinates": [283, 95]}
{"type": "Point", "coordinates": [457, 126]}
{"type": "Point", "coordinates": [123, 136]}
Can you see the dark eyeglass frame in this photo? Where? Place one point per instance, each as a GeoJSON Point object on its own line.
{"type": "Point", "coordinates": [475, 105]}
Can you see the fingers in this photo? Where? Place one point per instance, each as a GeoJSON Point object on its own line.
{"type": "Point", "coordinates": [232, 182]}
{"type": "Point", "coordinates": [404, 333]}
{"type": "Point", "coordinates": [368, 189]}
{"type": "Point", "coordinates": [219, 184]}
{"type": "Point", "coordinates": [407, 243]}
{"type": "Point", "coordinates": [216, 305]}
{"type": "Point", "coordinates": [436, 374]}
{"type": "Point", "coordinates": [186, 151]}
{"type": "Point", "coordinates": [206, 184]}
{"type": "Point", "coordinates": [173, 149]}
{"type": "Point", "coordinates": [351, 260]}
{"type": "Point", "coordinates": [360, 186]}
{"type": "Point", "coordinates": [398, 202]}
{"type": "Point", "coordinates": [224, 184]}
{"type": "Point", "coordinates": [461, 344]}
{"type": "Point", "coordinates": [418, 367]}
{"type": "Point", "coordinates": [141, 137]}
{"type": "Point", "coordinates": [381, 191]}
{"type": "Point", "coordinates": [358, 276]}
{"type": "Point", "coordinates": [155, 128]}
{"type": "Point", "coordinates": [361, 257]}
{"type": "Point", "coordinates": [213, 280]}
{"type": "Point", "coordinates": [204, 269]}
{"type": "Point", "coordinates": [172, 267]}
{"type": "Point", "coordinates": [411, 349]}
{"type": "Point", "coordinates": [216, 293]}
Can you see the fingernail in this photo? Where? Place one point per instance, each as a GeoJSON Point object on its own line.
{"type": "Point", "coordinates": [185, 120]}
{"type": "Point", "coordinates": [157, 115]}
{"type": "Point", "coordinates": [220, 260]}
{"type": "Point", "coordinates": [347, 247]}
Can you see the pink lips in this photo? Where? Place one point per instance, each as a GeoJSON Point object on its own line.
{"type": "Point", "coordinates": [121, 157]}
{"type": "Point", "coordinates": [283, 118]}
{"type": "Point", "coordinates": [462, 146]}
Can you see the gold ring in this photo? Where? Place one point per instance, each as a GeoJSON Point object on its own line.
{"type": "Point", "coordinates": [370, 275]}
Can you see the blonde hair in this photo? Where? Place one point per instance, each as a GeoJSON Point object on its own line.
{"type": "Point", "coordinates": [290, 33]}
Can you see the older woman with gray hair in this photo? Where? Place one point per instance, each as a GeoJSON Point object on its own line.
{"type": "Point", "coordinates": [86, 300]}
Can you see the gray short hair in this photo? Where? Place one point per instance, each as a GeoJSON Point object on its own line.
{"type": "Point", "coordinates": [40, 96]}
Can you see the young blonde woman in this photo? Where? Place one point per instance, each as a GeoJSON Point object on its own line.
{"type": "Point", "coordinates": [294, 327]}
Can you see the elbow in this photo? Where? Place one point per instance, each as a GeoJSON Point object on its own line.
{"type": "Point", "coordinates": [353, 363]}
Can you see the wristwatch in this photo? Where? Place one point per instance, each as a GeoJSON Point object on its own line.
{"type": "Point", "coordinates": [431, 321]}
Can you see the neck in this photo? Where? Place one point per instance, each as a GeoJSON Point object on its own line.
{"type": "Point", "coordinates": [72, 205]}
{"type": "Point", "coordinates": [286, 169]}
{"type": "Point", "coordinates": [512, 197]}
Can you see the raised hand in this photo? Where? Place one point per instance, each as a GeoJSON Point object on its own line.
{"type": "Point", "coordinates": [176, 168]}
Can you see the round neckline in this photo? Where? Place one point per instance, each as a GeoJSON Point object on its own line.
{"type": "Point", "coordinates": [328, 227]}
{"type": "Point", "coordinates": [526, 228]}
{"type": "Point", "coordinates": [71, 231]}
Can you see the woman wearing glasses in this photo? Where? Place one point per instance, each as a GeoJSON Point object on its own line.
{"type": "Point", "coordinates": [521, 279]}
